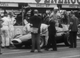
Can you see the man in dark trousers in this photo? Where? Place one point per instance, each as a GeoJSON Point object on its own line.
{"type": "Point", "coordinates": [52, 32]}
{"type": "Point", "coordinates": [73, 30]}
{"type": "Point", "coordinates": [35, 21]}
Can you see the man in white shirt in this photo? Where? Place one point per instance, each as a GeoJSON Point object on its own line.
{"type": "Point", "coordinates": [12, 21]}
{"type": "Point", "coordinates": [5, 32]}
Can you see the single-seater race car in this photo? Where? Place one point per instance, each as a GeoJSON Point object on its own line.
{"type": "Point", "coordinates": [24, 40]}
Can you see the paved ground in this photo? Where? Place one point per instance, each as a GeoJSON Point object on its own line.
{"type": "Point", "coordinates": [63, 52]}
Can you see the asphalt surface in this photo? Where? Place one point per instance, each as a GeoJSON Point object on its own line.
{"type": "Point", "coordinates": [63, 52]}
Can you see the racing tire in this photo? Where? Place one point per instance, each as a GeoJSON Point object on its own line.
{"type": "Point", "coordinates": [66, 40]}
{"type": "Point", "coordinates": [18, 45]}
{"type": "Point", "coordinates": [42, 42]}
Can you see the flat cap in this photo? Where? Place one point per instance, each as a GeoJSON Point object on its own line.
{"type": "Point", "coordinates": [35, 11]}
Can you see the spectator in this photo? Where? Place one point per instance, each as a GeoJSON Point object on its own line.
{"type": "Point", "coordinates": [5, 32]}
{"type": "Point", "coordinates": [19, 19]}
{"type": "Point", "coordinates": [52, 32]}
{"type": "Point", "coordinates": [12, 21]}
{"type": "Point", "coordinates": [73, 30]}
{"type": "Point", "coordinates": [0, 33]}
{"type": "Point", "coordinates": [47, 17]}
{"type": "Point", "coordinates": [35, 26]}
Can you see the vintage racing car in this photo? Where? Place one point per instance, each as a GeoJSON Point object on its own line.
{"type": "Point", "coordinates": [24, 40]}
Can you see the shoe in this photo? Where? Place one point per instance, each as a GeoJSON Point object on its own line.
{"type": "Point", "coordinates": [54, 50]}
{"type": "Point", "coordinates": [70, 47]}
{"type": "Point", "coordinates": [47, 49]}
{"type": "Point", "coordinates": [74, 47]}
{"type": "Point", "coordinates": [0, 53]}
{"type": "Point", "coordinates": [8, 47]}
{"type": "Point", "coordinates": [2, 47]}
{"type": "Point", "coordinates": [40, 51]}
{"type": "Point", "coordinates": [31, 51]}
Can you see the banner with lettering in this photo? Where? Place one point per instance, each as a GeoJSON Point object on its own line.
{"type": "Point", "coordinates": [45, 1]}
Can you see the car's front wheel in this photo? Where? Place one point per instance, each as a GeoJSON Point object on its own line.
{"type": "Point", "coordinates": [18, 45]}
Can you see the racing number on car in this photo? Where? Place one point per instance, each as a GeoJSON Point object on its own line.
{"type": "Point", "coordinates": [18, 31]}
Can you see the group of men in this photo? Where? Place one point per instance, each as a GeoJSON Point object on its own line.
{"type": "Point", "coordinates": [6, 29]}
{"type": "Point", "coordinates": [35, 23]}
{"type": "Point", "coordinates": [53, 21]}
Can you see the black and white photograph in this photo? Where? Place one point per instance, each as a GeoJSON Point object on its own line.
{"type": "Point", "coordinates": [39, 28]}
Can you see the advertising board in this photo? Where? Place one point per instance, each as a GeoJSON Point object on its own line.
{"type": "Point", "coordinates": [45, 1]}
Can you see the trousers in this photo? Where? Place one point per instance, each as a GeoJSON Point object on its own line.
{"type": "Point", "coordinates": [5, 36]}
{"type": "Point", "coordinates": [0, 43]}
{"type": "Point", "coordinates": [35, 41]}
{"type": "Point", "coordinates": [73, 39]}
{"type": "Point", "coordinates": [51, 42]}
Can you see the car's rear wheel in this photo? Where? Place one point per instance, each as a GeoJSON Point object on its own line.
{"type": "Point", "coordinates": [42, 41]}
{"type": "Point", "coordinates": [66, 40]}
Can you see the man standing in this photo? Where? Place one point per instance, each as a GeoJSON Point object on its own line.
{"type": "Point", "coordinates": [12, 21]}
{"type": "Point", "coordinates": [35, 30]}
{"type": "Point", "coordinates": [52, 32]}
{"type": "Point", "coordinates": [5, 32]}
{"type": "Point", "coordinates": [0, 33]}
{"type": "Point", "coordinates": [73, 30]}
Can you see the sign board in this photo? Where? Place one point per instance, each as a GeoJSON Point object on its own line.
{"type": "Point", "coordinates": [62, 1]}
{"type": "Point", "coordinates": [4, 4]}
{"type": "Point", "coordinates": [45, 1]}
{"type": "Point", "coordinates": [42, 5]}
{"type": "Point", "coordinates": [69, 6]}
